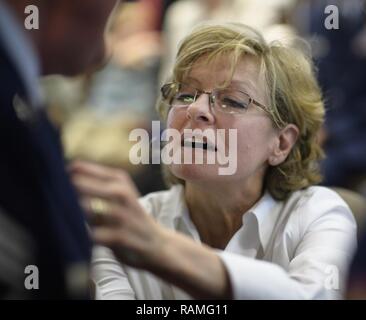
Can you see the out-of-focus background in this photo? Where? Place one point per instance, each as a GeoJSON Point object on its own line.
{"type": "Point", "coordinates": [95, 112]}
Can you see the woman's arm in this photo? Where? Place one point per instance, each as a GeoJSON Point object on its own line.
{"type": "Point", "coordinates": [317, 270]}
{"type": "Point", "coordinates": [136, 239]}
{"type": "Point", "coordinates": [319, 265]}
{"type": "Point", "coordinates": [193, 267]}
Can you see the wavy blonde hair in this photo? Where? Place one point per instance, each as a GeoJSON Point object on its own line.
{"type": "Point", "coordinates": [295, 96]}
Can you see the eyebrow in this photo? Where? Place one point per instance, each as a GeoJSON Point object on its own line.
{"type": "Point", "coordinates": [189, 79]}
{"type": "Point", "coordinates": [246, 83]}
{"type": "Point", "coordinates": [236, 83]}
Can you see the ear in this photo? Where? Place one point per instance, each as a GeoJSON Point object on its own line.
{"type": "Point", "coordinates": [285, 141]}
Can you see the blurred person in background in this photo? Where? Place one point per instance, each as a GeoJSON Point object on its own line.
{"type": "Point", "coordinates": [183, 15]}
{"type": "Point", "coordinates": [341, 59]}
{"type": "Point", "coordinates": [264, 232]}
{"type": "Point", "coordinates": [101, 108]}
{"type": "Point", "coordinates": [340, 56]}
{"type": "Point", "coordinates": [356, 286]}
{"type": "Point", "coordinates": [41, 223]}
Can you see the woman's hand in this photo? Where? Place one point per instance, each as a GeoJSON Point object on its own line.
{"type": "Point", "coordinates": [138, 240]}
{"type": "Point", "coordinates": [110, 200]}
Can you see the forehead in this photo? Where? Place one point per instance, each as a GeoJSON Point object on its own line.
{"type": "Point", "coordinates": [247, 72]}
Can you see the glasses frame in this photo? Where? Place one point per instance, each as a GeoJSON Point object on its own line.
{"type": "Point", "coordinates": [212, 97]}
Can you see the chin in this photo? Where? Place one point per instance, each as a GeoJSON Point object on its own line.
{"type": "Point", "coordinates": [195, 172]}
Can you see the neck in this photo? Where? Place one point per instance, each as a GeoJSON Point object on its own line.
{"type": "Point", "coordinates": [217, 212]}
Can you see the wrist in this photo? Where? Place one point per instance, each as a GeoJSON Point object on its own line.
{"type": "Point", "coordinates": [158, 253]}
{"type": "Point", "coordinates": [195, 268]}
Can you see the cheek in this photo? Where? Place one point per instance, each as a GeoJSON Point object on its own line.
{"type": "Point", "coordinates": [254, 142]}
{"type": "Point", "coordinates": [175, 119]}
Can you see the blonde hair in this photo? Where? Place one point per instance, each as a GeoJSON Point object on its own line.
{"type": "Point", "coordinates": [295, 96]}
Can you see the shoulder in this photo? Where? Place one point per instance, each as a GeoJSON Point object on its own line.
{"type": "Point", "coordinates": [318, 199]}
{"type": "Point", "coordinates": [322, 197]}
{"type": "Point", "coordinates": [314, 205]}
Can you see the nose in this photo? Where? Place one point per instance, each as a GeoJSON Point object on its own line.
{"type": "Point", "coordinates": [200, 110]}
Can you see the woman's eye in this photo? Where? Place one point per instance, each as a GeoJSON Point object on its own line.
{"type": "Point", "coordinates": [231, 103]}
{"type": "Point", "coordinates": [185, 97]}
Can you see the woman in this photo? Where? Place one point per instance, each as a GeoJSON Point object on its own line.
{"type": "Point", "coordinates": [263, 232]}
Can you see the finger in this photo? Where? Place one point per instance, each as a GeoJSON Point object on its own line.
{"type": "Point", "coordinates": [104, 173]}
{"type": "Point", "coordinates": [112, 191]}
{"type": "Point", "coordinates": [106, 236]}
{"type": "Point", "coordinates": [110, 217]}
{"type": "Point", "coordinates": [119, 243]}
{"type": "Point", "coordinates": [102, 220]}
{"type": "Point", "coordinates": [93, 169]}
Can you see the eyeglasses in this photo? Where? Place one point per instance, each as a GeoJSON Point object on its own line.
{"type": "Point", "coordinates": [225, 100]}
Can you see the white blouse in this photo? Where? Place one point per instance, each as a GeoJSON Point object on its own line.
{"type": "Point", "coordinates": [294, 249]}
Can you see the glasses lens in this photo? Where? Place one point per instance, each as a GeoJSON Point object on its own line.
{"type": "Point", "coordinates": [178, 95]}
{"type": "Point", "coordinates": [184, 96]}
{"type": "Point", "coordinates": [231, 101]}
{"type": "Point", "coordinates": [225, 100]}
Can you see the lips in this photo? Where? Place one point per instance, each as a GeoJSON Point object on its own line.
{"type": "Point", "coordinates": [198, 142]}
